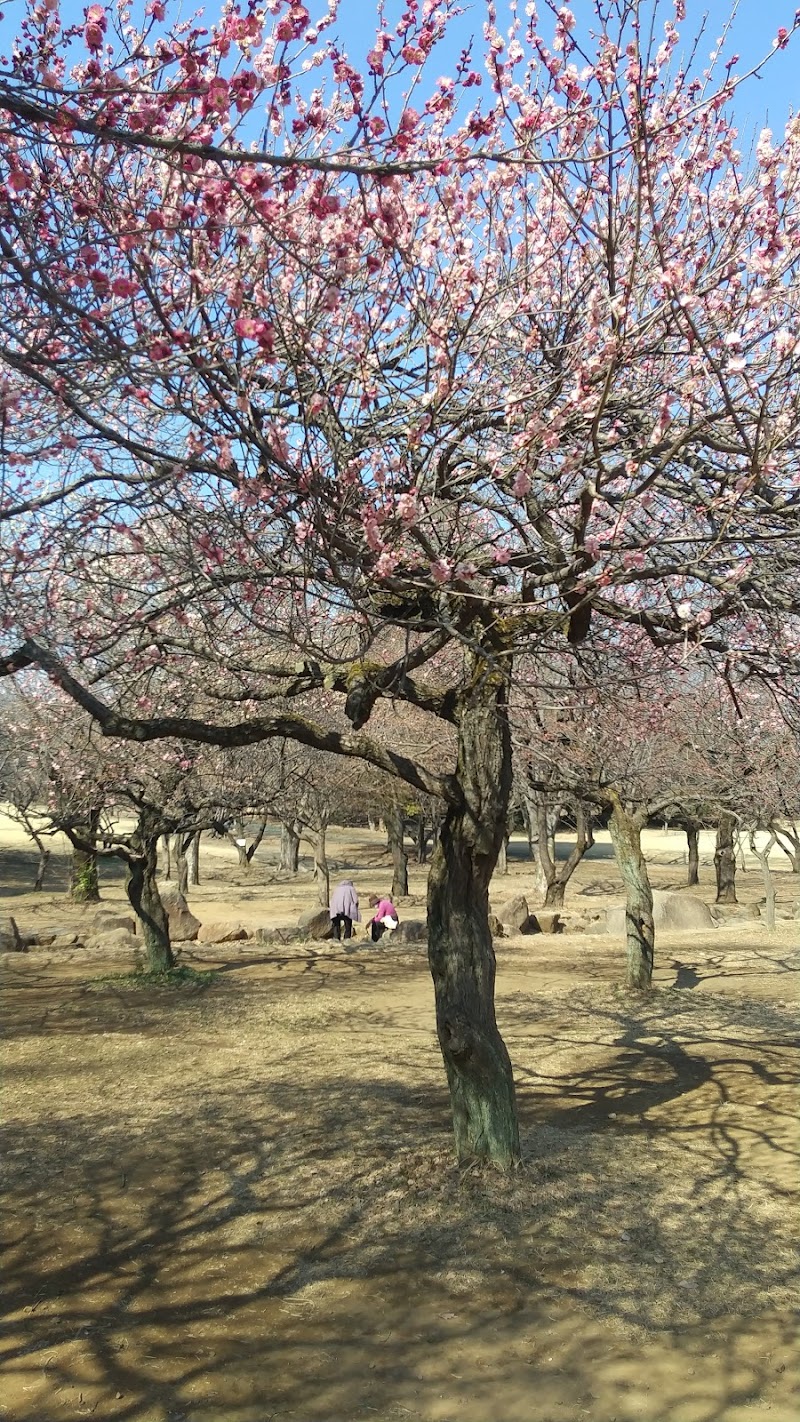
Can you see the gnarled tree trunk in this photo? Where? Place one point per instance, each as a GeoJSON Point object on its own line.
{"type": "Point", "coordinates": [558, 875]}
{"type": "Point", "coordinates": [84, 884]}
{"type": "Point", "coordinates": [725, 859]}
{"type": "Point", "coordinates": [460, 948]}
{"type": "Point", "coordinates": [142, 890]}
{"type": "Point", "coordinates": [626, 837]}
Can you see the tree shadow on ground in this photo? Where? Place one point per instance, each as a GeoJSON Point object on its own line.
{"type": "Point", "coordinates": [288, 1235]}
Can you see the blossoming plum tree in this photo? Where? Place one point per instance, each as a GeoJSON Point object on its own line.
{"type": "Point", "coordinates": [476, 365]}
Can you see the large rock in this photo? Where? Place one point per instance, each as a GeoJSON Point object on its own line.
{"type": "Point", "coordinates": [546, 921]}
{"type": "Point", "coordinates": [183, 926]}
{"type": "Point", "coordinates": [117, 941]}
{"type": "Point", "coordinates": [411, 930]}
{"type": "Point", "coordinates": [106, 922]}
{"type": "Point", "coordinates": [222, 933]}
{"type": "Point", "coordinates": [495, 926]}
{"type": "Point", "coordinates": [11, 940]}
{"type": "Point", "coordinates": [515, 915]}
{"type": "Point", "coordinates": [316, 923]}
{"type": "Point", "coordinates": [676, 913]}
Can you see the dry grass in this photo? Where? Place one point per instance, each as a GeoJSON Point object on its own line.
{"type": "Point", "coordinates": [238, 1203]}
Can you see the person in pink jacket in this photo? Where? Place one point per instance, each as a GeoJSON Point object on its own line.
{"type": "Point", "coordinates": [344, 909]}
{"type": "Point", "coordinates": [385, 916]}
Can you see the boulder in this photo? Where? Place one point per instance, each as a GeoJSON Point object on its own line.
{"type": "Point", "coordinates": [495, 926]}
{"type": "Point", "coordinates": [11, 940]}
{"type": "Point", "coordinates": [183, 926]}
{"type": "Point", "coordinates": [118, 940]}
{"type": "Point", "coordinates": [515, 915]}
{"type": "Point", "coordinates": [107, 922]}
{"type": "Point", "coordinates": [66, 940]}
{"type": "Point", "coordinates": [736, 912]}
{"type": "Point", "coordinates": [411, 930]}
{"type": "Point", "coordinates": [316, 923]}
{"type": "Point", "coordinates": [222, 933]}
{"type": "Point", "coordinates": [677, 913]}
{"type": "Point", "coordinates": [546, 921]}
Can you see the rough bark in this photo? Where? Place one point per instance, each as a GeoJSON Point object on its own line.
{"type": "Point", "coordinates": [460, 948]}
{"type": "Point", "coordinates": [725, 859]}
{"type": "Point", "coordinates": [143, 896]}
{"type": "Point", "coordinates": [530, 813]}
{"type": "Point", "coordinates": [556, 875]}
{"type": "Point", "coordinates": [194, 858]}
{"type": "Point", "coordinates": [762, 855]}
{"type": "Point", "coordinates": [693, 841]}
{"type": "Point", "coordinates": [290, 847]}
{"type": "Point", "coordinates": [84, 886]}
{"type": "Point", "coordinates": [626, 837]}
{"type": "Point", "coordinates": [181, 864]}
{"type": "Point", "coordinates": [395, 829]}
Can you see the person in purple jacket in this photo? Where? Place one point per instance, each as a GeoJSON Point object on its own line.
{"type": "Point", "coordinates": [344, 909]}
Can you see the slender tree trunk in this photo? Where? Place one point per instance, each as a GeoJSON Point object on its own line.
{"type": "Point", "coordinates": [422, 838]}
{"type": "Point", "coordinates": [259, 835]}
{"type": "Point", "coordinates": [789, 841]}
{"type": "Point", "coordinates": [626, 837]}
{"type": "Point", "coordinates": [321, 870]}
{"type": "Point", "coordinates": [238, 839]}
{"type": "Point", "coordinates": [290, 847]}
{"type": "Point", "coordinates": [725, 859]}
{"type": "Point", "coordinates": [84, 885]}
{"type": "Point", "coordinates": [395, 829]}
{"type": "Point", "coordinates": [693, 841]}
{"type": "Point", "coordinates": [762, 855]}
{"type": "Point", "coordinates": [44, 853]}
{"type": "Point", "coordinates": [460, 948]}
{"type": "Point", "coordinates": [41, 868]}
{"type": "Point", "coordinates": [502, 857]}
{"type": "Point", "coordinates": [167, 843]}
{"type": "Point", "coordinates": [194, 858]}
{"type": "Point", "coordinates": [560, 874]}
{"type": "Point", "coordinates": [143, 895]}
{"type": "Point", "coordinates": [181, 864]}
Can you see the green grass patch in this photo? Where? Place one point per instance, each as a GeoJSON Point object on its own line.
{"type": "Point", "coordinates": [178, 977]}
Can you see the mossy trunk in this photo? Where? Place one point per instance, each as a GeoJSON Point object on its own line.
{"type": "Point", "coordinates": [84, 884]}
{"type": "Point", "coordinates": [460, 948]}
{"type": "Point", "coordinates": [142, 890]}
{"type": "Point", "coordinates": [725, 859]}
{"type": "Point", "coordinates": [626, 837]}
{"type": "Point", "coordinates": [395, 830]}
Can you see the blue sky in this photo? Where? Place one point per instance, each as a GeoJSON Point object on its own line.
{"type": "Point", "coordinates": [768, 99]}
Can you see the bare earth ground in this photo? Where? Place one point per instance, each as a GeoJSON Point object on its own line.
{"type": "Point", "coordinates": [238, 1203]}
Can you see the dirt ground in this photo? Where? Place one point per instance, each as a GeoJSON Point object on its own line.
{"type": "Point", "coordinates": [238, 1203]}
